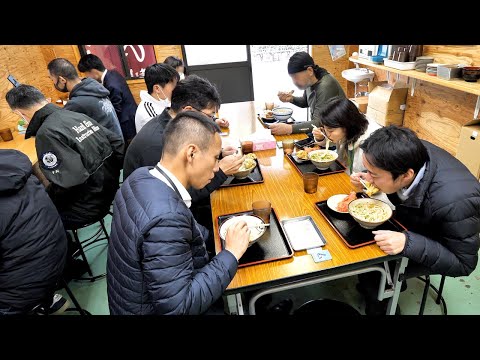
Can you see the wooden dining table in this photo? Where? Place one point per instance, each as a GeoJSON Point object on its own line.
{"type": "Point", "coordinates": [283, 188]}
{"type": "Point", "coordinates": [19, 143]}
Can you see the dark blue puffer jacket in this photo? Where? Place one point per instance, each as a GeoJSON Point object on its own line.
{"type": "Point", "coordinates": [33, 243]}
{"type": "Point", "coordinates": [157, 262]}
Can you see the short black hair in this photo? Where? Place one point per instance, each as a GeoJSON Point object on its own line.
{"type": "Point", "coordinates": [339, 112]}
{"type": "Point", "coordinates": [188, 127]}
{"type": "Point", "coordinates": [24, 97]}
{"type": "Point", "coordinates": [62, 67]}
{"type": "Point", "coordinates": [173, 61]}
{"type": "Point", "coordinates": [160, 74]}
{"type": "Point", "coordinates": [395, 149]}
{"type": "Point", "coordinates": [90, 62]}
{"type": "Point", "coordinates": [195, 91]}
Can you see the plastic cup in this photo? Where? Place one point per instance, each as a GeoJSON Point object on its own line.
{"type": "Point", "coordinates": [262, 209]}
{"type": "Point", "coordinates": [247, 147]}
{"type": "Point", "coordinates": [6, 134]}
{"type": "Point", "coordinates": [288, 145]}
{"type": "Point", "coordinates": [310, 182]}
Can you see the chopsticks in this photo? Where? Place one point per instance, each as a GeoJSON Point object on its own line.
{"type": "Point", "coordinates": [363, 183]}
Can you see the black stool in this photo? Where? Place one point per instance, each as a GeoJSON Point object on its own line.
{"type": "Point", "coordinates": [62, 284]}
{"type": "Point", "coordinates": [327, 307]}
{"type": "Point", "coordinates": [438, 291]}
{"type": "Point", "coordinates": [86, 245]}
{"type": "Point", "coordinates": [74, 300]}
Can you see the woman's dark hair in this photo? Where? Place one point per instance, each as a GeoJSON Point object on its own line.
{"type": "Point", "coordinates": [339, 112]}
{"type": "Point", "coordinates": [160, 74]}
{"type": "Point", "coordinates": [301, 61]}
{"type": "Point", "coordinates": [195, 91]}
{"type": "Point", "coordinates": [175, 61]}
{"type": "Point", "coordinates": [89, 62]}
{"type": "Point", "coordinates": [395, 149]}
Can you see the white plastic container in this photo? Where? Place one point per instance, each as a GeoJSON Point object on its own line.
{"type": "Point", "coordinates": [399, 65]}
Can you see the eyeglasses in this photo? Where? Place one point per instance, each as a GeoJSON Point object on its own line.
{"type": "Point", "coordinates": [211, 116]}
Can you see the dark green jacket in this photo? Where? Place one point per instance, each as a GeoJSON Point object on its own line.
{"type": "Point", "coordinates": [314, 98]}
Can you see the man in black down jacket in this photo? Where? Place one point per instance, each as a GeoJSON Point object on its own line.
{"type": "Point", "coordinates": [157, 261]}
{"type": "Point", "coordinates": [33, 244]}
{"type": "Point", "coordinates": [436, 198]}
{"type": "Point", "coordinates": [80, 158]}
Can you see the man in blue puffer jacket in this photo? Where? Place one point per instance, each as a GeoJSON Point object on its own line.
{"type": "Point", "coordinates": [157, 261]}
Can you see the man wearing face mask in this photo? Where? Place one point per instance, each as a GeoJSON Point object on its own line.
{"type": "Point", "coordinates": [160, 79]}
{"type": "Point", "coordinates": [86, 96]}
{"type": "Point", "coordinates": [120, 94]}
{"type": "Point", "coordinates": [319, 86]}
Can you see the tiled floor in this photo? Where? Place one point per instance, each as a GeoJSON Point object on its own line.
{"type": "Point", "coordinates": [462, 294]}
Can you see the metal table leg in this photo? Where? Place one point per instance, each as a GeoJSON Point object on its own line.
{"type": "Point", "coordinates": [235, 304]}
{"type": "Point", "coordinates": [395, 292]}
{"type": "Point", "coordinates": [258, 294]}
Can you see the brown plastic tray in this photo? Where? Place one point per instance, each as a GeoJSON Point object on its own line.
{"type": "Point", "coordinates": [273, 245]}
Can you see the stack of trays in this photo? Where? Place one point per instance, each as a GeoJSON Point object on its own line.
{"type": "Point", "coordinates": [432, 69]}
{"type": "Point", "coordinates": [421, 63]}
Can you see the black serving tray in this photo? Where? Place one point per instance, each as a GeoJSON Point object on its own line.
{"type": "Point", "coordinates": [300, 144]}
{"type": "Point", "coordinates": [266, 122]}
{"type": "Point", "coordinates": [255, 177]}
{"type": "Point", "coordinates": [352, 234]}
{"type": "Point", "coordinates": [273, 245]}
{"type": "Point", "coordinates": [307, 166]}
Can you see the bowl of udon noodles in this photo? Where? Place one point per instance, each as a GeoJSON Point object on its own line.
{"type": "Point", "coordinates": [369, 213]}
{"type": "Point", "coordinates": [282, 113]}
{"type": "Point", "coordinates": [322, 159]}
{"type": "Point", "coordinates": [247, 167]}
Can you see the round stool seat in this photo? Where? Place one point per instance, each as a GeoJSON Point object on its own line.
{"type": "Point", "coordinates": [327, 307]}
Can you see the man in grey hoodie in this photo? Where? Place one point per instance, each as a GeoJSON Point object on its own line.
{"type": "Point", "coordinates": [86, 96]}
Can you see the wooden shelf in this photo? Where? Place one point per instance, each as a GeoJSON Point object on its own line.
{"type": "Point", "coordinates": [457, 84]}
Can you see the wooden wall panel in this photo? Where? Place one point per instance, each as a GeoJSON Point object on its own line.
{"type": "Point", "coordinates": [437, 114]}
{"type": "Point", "coordinates": [321, 56]}
{"type": "Point", "coordinates": [454, 54]}
{"type": "Point", "coordinates": [27, 65]}
{"type": "Point", "coordinates": [135, 87]}
{"type": "Point", "coordinates": [162, 51]}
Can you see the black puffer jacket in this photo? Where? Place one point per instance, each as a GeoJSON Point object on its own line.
{"type": "Point", "coordinates": [33, 244]}
{"type": "Point", "coordinates": [442, 216]}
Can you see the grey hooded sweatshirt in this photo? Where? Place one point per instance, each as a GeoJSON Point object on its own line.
{"type": "Point", "coordinates": [89, 97]}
